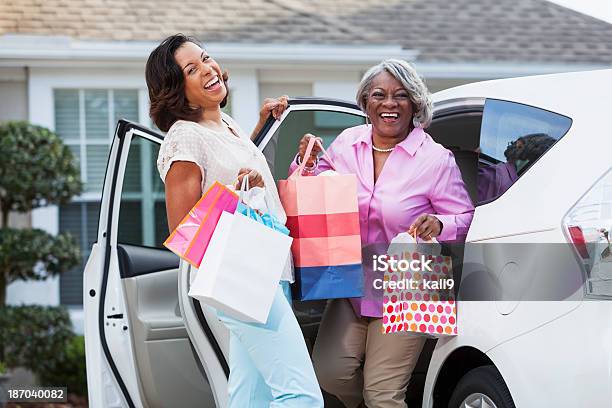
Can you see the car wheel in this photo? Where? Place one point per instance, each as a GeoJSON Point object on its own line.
{"type": "Point", "coordinates": [482, 387]}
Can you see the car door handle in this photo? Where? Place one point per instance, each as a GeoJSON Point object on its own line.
{"type": "Point", "coordinates": [115, 316]}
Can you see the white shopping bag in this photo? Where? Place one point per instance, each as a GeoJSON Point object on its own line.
{"type": "Point", "coordinates": [404, 240]}
{"type": "Point", "coordinates": [241, 268]}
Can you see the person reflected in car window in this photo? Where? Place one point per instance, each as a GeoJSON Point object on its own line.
{"type": "Point", "coordinates": [495, 179]}
{"type": "Point", "coordinates": [406, 182]}
{"type": "Point", "coordinates": [269, 363]}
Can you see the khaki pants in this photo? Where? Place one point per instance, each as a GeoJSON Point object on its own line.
{"type": "Point", "coordinates": [346, 343]}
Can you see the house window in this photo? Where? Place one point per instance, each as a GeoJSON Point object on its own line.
{"type": "Point", "coordinates": [142, 215]}
{"type": "Point", "coordinates": [85, 119]}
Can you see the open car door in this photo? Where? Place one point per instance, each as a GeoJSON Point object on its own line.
{"type": "Point", "coordinates": [137, 348]}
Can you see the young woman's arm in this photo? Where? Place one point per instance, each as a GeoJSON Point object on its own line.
{"type": "Point", "coordinates": [183, 190]}
{"type": "Point", "coordinates": [271, 106]}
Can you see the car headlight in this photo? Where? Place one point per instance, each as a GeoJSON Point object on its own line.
{"type": "Point", "coordinates": [588, 227]}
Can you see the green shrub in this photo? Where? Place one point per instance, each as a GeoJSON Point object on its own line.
{"type": "Point", "coordinates": [37, 169]}
{"type": "Point", "coordinates": [2, 368]}
{"type": "Point", "coordinates": [34, 254]}
{"type": "Point", "coordinates": [34, 336]}
{"type": "Point", "coordinates": [40, 338]}
{"type": "Point", "coordinates": [69, 370]}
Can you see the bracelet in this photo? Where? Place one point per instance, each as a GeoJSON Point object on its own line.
{"type": "Point", "coordinates": [311, 169]}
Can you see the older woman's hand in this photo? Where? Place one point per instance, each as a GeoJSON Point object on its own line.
{"type": "Point", "coordinates": [255, 179]}
{"type": "Point", "coordinates": [316, 149]}
{"type": "Point", "coordinates": [427, 226]}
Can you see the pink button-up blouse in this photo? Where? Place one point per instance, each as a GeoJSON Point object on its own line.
{"type": "Point", "coordinates": [420, 176]}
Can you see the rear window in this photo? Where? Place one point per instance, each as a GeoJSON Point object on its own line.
{"type": "Point", "coordinates": [513, 137]}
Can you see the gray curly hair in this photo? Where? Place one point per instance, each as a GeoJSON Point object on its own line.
{"type": "Point", "coordinates": [405, 73]}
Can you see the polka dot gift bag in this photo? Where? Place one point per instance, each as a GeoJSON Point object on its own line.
{"type": "Point", "coordinates": [418, 288]}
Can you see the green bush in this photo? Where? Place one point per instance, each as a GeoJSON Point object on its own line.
{"type": "Point", "coordinates": [69, 370]}
{"type": "Point", "coordinates": [2, 368]}
{"type": "Point", "coordinates": [40, 338]}
{"type": "Point", "coordinates": [34, 336]}
{"type": "Point", "coordinates": [34, 254]}
{"type": "Point", "coordinates": [37, 169]}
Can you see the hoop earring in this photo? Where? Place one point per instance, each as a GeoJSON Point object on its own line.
{"type": "Point", "coordinates": [367, 120]}
{"type": "Point", "coordinates": [415, 122]}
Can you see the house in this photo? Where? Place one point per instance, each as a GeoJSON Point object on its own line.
{"type": "Point", "coordinates": [77, 66]}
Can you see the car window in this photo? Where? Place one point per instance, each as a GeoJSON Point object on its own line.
{"type": "Point", "coordinates": [282, 147]}
{"type": "Point", "coordinates": [512, 137]}
{"type": "Point", "coordinates": [459, 132]}
{"type": "Point", "coordinates": [142, 214]}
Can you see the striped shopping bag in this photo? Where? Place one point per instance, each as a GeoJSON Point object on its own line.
{"type": "Point", "coordinates": [323, 219]}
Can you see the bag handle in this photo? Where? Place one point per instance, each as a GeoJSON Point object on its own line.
{"type": "Point", "coordinates": [244, 187]}
{"type": "Point", "coordinates": [268, 208]}
{"type": "Point", "coordinates": [311, 143]}
{"type": "Point", "coordinates": [428, 241]}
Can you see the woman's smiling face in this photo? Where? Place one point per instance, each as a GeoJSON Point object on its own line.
{"type": "Point", "coordinates": [204, 84]}
{"type": "Point", "coordinates": [389, 106]}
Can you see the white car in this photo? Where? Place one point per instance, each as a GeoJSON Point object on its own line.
{"type": "Point", "coordinates": [149, 345]}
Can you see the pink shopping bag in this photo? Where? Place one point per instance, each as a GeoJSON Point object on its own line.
{"type": "Point", "coordinates": [429, 309]}
{"type": "Point", "coordinates": [191, 237]}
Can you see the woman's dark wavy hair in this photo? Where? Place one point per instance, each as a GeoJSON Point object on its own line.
{"type": "Point", "coordinates": [166, 84]}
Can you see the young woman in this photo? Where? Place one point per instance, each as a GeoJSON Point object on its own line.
{"type": "Point", "coordinates": [269, 363]}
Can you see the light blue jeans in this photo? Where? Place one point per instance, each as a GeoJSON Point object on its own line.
{"type": "Point", "coordinates": [269, 363]}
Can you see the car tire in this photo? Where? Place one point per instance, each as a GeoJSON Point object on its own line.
{"type": "Point", "coordinates": [481, 387]}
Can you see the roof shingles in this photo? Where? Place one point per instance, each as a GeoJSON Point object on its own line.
{"type": "Point", "coordinates": [460, 31]}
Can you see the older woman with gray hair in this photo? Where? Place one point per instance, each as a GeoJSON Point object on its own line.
{"type": "Point", "coordinates": [405, 182]}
